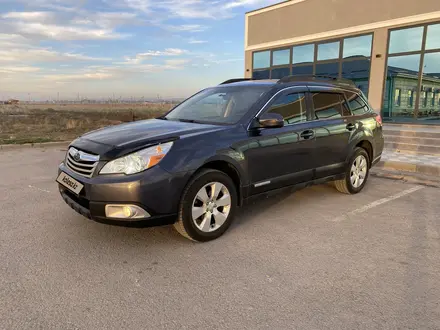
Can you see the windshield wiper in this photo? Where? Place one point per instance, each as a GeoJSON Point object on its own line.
{"type": "Point", "coordinates": [187, 120]}
{"type": "Point", "coordinates": [162, 118]}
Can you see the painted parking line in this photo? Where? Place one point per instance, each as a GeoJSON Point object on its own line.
{"type": "Point", "coordinates": [377, 203]}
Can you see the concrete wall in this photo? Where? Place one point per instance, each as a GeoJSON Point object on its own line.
{"type": "Point", "coordinates": [377, 71]}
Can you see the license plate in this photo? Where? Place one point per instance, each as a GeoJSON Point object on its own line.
{"type": "Point", "coordinates": [70, 183]}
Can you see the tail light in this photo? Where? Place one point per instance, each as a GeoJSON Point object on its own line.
{"type": "Point", "coordinates": [379, 119]}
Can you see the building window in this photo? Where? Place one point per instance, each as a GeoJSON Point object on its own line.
{"type": "Point", "coordinates": [292, 107]}
{"type": "Point", "coordinates": [303, 54]}
{"type": "Point", "coordinates": [261, 60]}
{"type": "Point", "coordinates": [261, 74]}
{"type": "Point", "coordinates": [406, 40]}
{"type": "Point", "coordinates": [328, 69]}
{"type": "Point", "coordinates": [328, 51]}
{"type": "Point", "coordinates": [278, 73]}
{"type": "Point", "coordinates": [433, 99]}
{"type": "Point", "coordinates": [281, 57]}
{"type": "Point", "coordinates": [410, 98]}
{"type": "Point", "coordinates": [397, 97]}
{"type": "Point", "coordinates": [433, 37]}
{"type": "Point", "coordinates": [302, 70]}
{"type": "Point", "coordinates": [403, 70]}
{"type": "Point", "coordinates": [423, 99]}
{"type": "Point", "coordinates": [346, 57]}
{"type": "Point", "coordinates": [357, 46]}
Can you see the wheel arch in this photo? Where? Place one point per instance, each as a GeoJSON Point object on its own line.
{"type": "Point", "coordinates": [227, 167]}
{"type": "Point", "coordinates": [368, 147]}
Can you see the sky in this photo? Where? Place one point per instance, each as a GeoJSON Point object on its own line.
{"type": "Point", "coordinates": [126, 48]}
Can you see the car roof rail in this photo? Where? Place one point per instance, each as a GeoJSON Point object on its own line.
{"type": "Point", "coordinates": [230, 81]}
{"type": "Point", "coordinates": [315, 78]}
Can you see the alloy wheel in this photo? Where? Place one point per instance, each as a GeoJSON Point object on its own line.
{"type": "Point", "coordinates": [358, 171]}
{"type": "Point", "coordinates": [211, 207]}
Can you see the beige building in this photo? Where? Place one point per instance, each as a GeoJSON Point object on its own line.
{"type": "Point", "coordinates": [389, 48]}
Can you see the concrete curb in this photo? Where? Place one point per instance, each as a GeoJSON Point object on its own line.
{"type": "Point", "coordinates": [408, 167]}
{"type": "Point", "coordinates": [33, 145]}
{"type": "Point", "coordinates": [408, 177]}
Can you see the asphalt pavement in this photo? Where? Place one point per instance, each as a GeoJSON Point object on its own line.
{"type": "Point", "coordinates": [314, 259]}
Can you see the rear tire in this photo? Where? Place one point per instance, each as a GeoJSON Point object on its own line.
{"type": "Point", "coordinates": [357, 173]}
{"type": "Point", "coordinates": [207, 206]}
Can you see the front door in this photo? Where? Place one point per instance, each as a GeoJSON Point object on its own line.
{"type": "Point", "coordinates": [279, 157]}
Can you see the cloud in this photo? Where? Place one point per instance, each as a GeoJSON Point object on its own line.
{"type": "Point", "coordinates": [195, 41]}
{"type": "Point", "coordinates": [248, 3]}
{"type": "Point", "coordinates": [79, 76]}
{"type": "Point", "coordinates": [186, 28]}
{"type": "Point", "coordinates": [140, 57]}
{"type": "Point", "coordinates": [34, 55]}
{"type": "Point", "coordinates": [18, 69]}
{"type": "Point", "coordinates": [176, 63]}
{"type": "Point", "coordinates": [36, 16]}
{"type": "Point", "coordinates": [108, 20]}
{"type": "Point", "coordinates": [191, 9]}
{"type": "Point", "coordinates": [63, 27]}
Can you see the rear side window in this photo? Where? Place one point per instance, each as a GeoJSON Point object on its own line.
{"type": "Point", "coordinates": [329, 106]}
{"type": "Point", "coordinates": [292, 107]}
{"type": "Point", "coordinates": [357, 104]}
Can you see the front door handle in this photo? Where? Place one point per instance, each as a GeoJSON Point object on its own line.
{"type": "Point", "coordinates": [307, 135]}
{"type": "Point", "coordinates": [351, 127]}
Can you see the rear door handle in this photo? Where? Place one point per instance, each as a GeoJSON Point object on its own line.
{"type": "Point", "coordinates": [307, 135]}
{"type": "Point", "coordinates": [351, 127]}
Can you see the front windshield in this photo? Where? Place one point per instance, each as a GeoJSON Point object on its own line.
{"type": "Point", "coordinates": [223, 105]}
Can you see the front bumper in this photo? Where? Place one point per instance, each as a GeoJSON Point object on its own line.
{"type": "Point", "coordinates": [155, 190]}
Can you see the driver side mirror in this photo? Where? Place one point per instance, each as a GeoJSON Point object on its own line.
{"type": "Point", "coordinates": [271, 120]}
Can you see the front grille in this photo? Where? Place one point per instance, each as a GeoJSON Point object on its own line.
{"type": "Point", "coordinates": [81, 162]}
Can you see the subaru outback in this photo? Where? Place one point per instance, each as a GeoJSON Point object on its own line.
{"type": "Point", "coordinates": [194, 166]}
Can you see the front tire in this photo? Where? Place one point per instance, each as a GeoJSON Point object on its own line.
{"type": "Point", "coordinates": [357, 173]}
{"type": "Point", "coordinates": [207, 206]}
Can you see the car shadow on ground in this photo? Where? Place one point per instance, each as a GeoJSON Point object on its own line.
{"type": "Point", "coordinates": [160, 237]}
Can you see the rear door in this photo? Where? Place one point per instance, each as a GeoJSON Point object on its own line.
{"type": "Point", "coordinates": [333, 125]}
{"type": "Point", "coordinates": [279, 157]}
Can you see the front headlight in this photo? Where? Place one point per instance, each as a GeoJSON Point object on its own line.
{"type": "Point", "coordinates": [138, 161]}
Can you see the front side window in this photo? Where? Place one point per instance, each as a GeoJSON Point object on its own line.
{"type": "Point", "coordinates": [222, 105]}
{"type": "Point", "coordinates": [292, 107]}
{"type": "Point", "coordinates": [329, 106]}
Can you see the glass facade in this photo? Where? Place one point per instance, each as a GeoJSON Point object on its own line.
{"type": "Point", "coordinates": [345, 57]}
{"type": "Point", "coordinates": [412, 85]}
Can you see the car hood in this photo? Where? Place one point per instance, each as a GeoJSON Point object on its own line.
{"type": "Point", "coordinates": [115, 141]}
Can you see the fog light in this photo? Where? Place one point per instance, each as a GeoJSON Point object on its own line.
{"type": "Point", "coordinates": [125, 212]}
